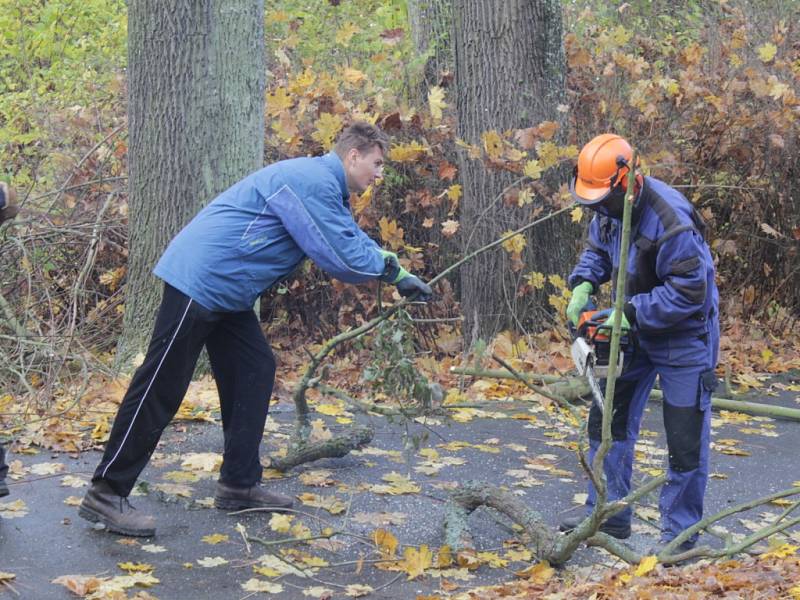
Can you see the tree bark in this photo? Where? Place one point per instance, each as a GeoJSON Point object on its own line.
{"type": "Point", "coordinates": [509, 69]}
{"type": "Point", "coordinates": [431, 24]}
{"type": "Point", "coordinates": [196, 123]}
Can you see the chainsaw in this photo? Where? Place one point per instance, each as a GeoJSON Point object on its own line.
{"type": "Point", "coordinates": [591, 349]}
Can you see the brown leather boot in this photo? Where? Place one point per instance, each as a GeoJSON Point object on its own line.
{"type": "Point", "coordinates": [236, 498]}
{"type": "Point", "coordinates": [102, 505]}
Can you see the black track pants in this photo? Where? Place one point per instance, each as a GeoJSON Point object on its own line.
{"type": "Point", "coordinates": [244, 370]}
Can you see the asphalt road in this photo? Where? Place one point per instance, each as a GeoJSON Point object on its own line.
{"type": "Point", "coordinates": [50, 540]}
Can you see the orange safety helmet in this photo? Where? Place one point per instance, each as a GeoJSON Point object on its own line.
{"type": "Point", "coordinates": [602, 164]}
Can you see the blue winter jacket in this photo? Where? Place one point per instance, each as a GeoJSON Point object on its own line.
{"type": "Point", "coordinates": [670, 283]}
{"type": "Point", "coordinates": [256, 232]}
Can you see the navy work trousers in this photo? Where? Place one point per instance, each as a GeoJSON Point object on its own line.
{"type": "Point", "coordinates": [244, 370]}
{"type": "Point", "coordinates": [684, 363]}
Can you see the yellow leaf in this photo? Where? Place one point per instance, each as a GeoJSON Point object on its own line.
{"type": "Point", "coordinates": [533, 169]}
{"type": "Point", "coordinates": [436, 102]}
{"type": "Point", "coordinates": [361, 202]}
{"type": "Point", "coordinates": [524, 197]}
{"type": "Point", "coordinates": [647, 564]}
{"type": "Point", "coordinates": [767, 52]}
{"type": "Point", "coordinates": [444, 558]}
{"type": "Point", "coordinates": [280, 523]}
{"type": "Point", "coordinates": [492, 144]}
{"type": "Point", "coordinates": [781, 551]}
{"type": "Point", "coordinates": [535, 280]}
{"type": "Point", "coordinates": [326, 129]}
{"type": "Point", "coordinates": [391, 233]}
{"type": "Point", "coordinates": [386, 542]}
{"type": "Point", "coordinates": [13, 510]}
{"type": "Point", "coordinates": [795, 592]}
{"type": "Point", "coordinates": [135, 567]}
{"type": "Point", "coordinates": [208, 462]}
{"type": "Point", "coordinates": [548, 154]}
{"type": "Point", "coordinates": [515, 244]}
{"type": "Point", "coordinates": [538, 573]}
{"type": "Point", "coordinates": [416, 561]}
{"type": "Point", "coordinates": [576, 214]}
{"type": "Point", "coordinates": [101, 429]}
{"type": "Point", "coordinates": [279, 101]}
{"type": "Point", "coordinates": [407, 152]}
{"type": "Point", "coordinates": [398, 485]}
{"type": "Point", "coordinates": [266, 571]}
{"type": "Point", "coordinates": [344, 35]}
{"type": "Point", "coordinates": [333, 410]}
{"type": "Point", "coordinates": [454, 192]}
{"type": "Point", "coordinates": [215, 538]}
{"type": "Point", "coordinates": [353, 75]}
{"type": "Point", "coordinates": [492, 559]}
{"type": "Point", "coordinates": [557, 281]}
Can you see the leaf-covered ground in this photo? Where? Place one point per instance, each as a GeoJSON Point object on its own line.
{"type": "Point", "coordinates": [370, 524]}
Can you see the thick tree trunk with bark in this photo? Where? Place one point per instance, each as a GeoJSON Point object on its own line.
{"type": "Point", "coordinates": [196, 122]}
{"type": "Point", "coordinates": [431, 23]}
{"type": "Point", "coordinates": [509, 68]}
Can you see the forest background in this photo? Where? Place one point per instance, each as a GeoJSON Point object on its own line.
{"type": "Point", "coordinates": [707, 91]}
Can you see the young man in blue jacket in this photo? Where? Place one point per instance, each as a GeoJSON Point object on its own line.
{"type": "Point", "coordinates": [671, 305]}
{"type": "Point", "coordinates": [246, 240]}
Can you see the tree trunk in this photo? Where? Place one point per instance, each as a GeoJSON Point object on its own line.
{"type": "Point", "coordinates": [431, 23]}
{"type": "Point", "coordinates": [510, 69]}
{"type": "Point", "coordinates": [196, 122]}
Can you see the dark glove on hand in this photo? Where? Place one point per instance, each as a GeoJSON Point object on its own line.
{"type": "Point", "coordinates": [409, 284]}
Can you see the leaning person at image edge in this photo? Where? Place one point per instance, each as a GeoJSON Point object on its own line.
{"type": "Point", "coordinates": [671, 307]}
{"type": "Point", "coordinates": [8, 210]}
{"type": "Point", "coordinates": [245, 241]}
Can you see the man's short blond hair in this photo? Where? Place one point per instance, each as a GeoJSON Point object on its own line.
{"type": "Point", "coordinates": [363, 137]}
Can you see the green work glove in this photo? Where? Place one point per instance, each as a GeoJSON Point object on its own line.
{"type": "Point", "coordinates": [409, 285]}
{"type": "Point", "coordinates": [391, 266]}
{"type": "Point", "coordinates": [609, 323]}
{"type": "Point", "coordinates": [580, 298]}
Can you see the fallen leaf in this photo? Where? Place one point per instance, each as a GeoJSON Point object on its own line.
{"type": "Point", "coordinates": [647, 564]}
{"type": "Point", "coordinates": [386, 542]}
{"type": "Point", "coordinates": [131, 567]}
{"type": "Point", "coordinates": [215, 538]}
{"type": "Point", "coordinates": [281, 523]}
{"type": "Point", "coordinates": [357, 590]}
{"type": "Point", "coordinates": [209, 561]}
{"type": "Point", "coordinates": [259, 585]}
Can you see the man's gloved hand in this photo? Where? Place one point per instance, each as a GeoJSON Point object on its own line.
{"type": "Point", "coordinates": [580, 298]}
{"type": "Point", "coordinates": [609, 323]}
{"type": "Point", "coordinates": [7, 198]}
{"type": "Point", "coordinates": [408, 285]}
{"type": "Point", "coordinates": [391, 266]}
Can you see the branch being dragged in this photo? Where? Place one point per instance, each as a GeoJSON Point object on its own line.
{"type": "Point", "coordinates": [337, 447]}
{"type": "Point", "coordinates": [474, 494]}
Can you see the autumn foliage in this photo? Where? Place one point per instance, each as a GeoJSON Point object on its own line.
{"type": "Point", "coordinates": [712, 109]}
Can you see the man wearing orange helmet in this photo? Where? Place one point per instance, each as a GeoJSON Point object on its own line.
{"type": "Point", "coordinates": [671, 303]}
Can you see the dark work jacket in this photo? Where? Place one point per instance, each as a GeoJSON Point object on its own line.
{"type": "Point", "coordinates": [670, 282]}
